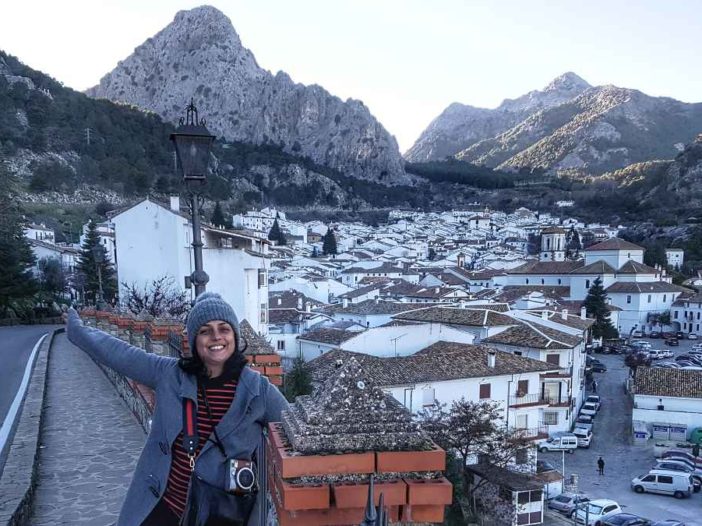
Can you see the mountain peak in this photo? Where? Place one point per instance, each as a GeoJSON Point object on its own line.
{"type": "Point", "coordinates": [568, 81]}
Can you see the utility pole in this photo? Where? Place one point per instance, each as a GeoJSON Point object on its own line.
{"type": "Point", "coordinates": [87, 135]}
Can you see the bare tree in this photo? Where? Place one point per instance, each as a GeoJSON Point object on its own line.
{"type": "Point", "coordinates": [160, 298]}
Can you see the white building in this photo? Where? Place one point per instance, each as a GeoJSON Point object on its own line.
{"type": "Point", "coordinates": [686, 315]}
{"type": "Point", "coordinates": [154, 240]}
{"type": "Point", "coordinates": [106, 233]}
{"type": "Point", "coordinates": [39, 233]}
{"type": "Point", "coordinates": [675, 257]}
{"type": "Point", "coordinates": [667, 401]}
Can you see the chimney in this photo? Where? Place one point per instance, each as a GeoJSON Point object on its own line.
{"type": "Point", "coordinates": [544, 314]}
{"type": "Point", "coordinates": [299, 303]}
{"type": "Point", "coordinates": [345, 302]}
{"type": "Point", "coordinates": [436, 291]}
{"type": "Point", "coordinates": [583, 313]}
{"type": "Point", "coordinates": [308, 307]}
{"type": "Point", "coordinates": [564, 314]}
{"type": "Point", "coordinates": [280, 301]}
{"type": "Point", "coordinates": [492, 355]}
{"type": "Point", "coordinates": [175, 203]}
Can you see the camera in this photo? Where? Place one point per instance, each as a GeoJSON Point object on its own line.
{"type": "Point", "coordinates": [242, 476]}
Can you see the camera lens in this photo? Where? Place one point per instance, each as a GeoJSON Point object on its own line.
{"type": "Point", "coordinates": [245, 478]}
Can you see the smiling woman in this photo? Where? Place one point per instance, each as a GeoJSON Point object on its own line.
{"type": "Point", "coordinates": [209, 416]}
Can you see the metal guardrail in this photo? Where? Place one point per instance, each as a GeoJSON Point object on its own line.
{"type": "Point", "coordinates": [527, 399]}
{"type": "Point", "coordinates": [540, 431]}
{"type": "Point", "coordinates": [559, 371]}
{"type": "Point", "coordinates": [561, 401]}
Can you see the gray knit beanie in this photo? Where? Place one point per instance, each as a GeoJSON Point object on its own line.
{"type": "Point", "coordinates": [210, 306]}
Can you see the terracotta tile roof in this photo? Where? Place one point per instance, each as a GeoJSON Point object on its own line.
{"type": "Point", "coordinates": [276, 316]}
{"type": "Point", "coordinates": [288, 299]}
{"type": "Point", "coordinates": [472, 317]}
{"type": "Point", "coordinates": [255, 344]}
{"type": "Point", "coordinates": [439, 362]}
{"type": "Point", "coordinates": [512, 293]}
{"type": "Point", "coordinates": [650, 286]}
{"type": "Point", "coordinates": [534, 336]}
{"type": "Point", "coordinates": [614, 243]}
{"type": "Point", "coordinates": [376, 307]}
{"type": "Point", "coordinates": [546, 267]}
{"type": "Point", "coordinates": [362, 291]}
{"type": "Point", "coordinates": [572, 320]}
{"type": "Point", "coordinates": [598, 267]}
{"type": "Point", "coordinates": [506, 478]}
{"type": "Point", "coordinates": [431, 292]}
{"type": "Point", "coordinates": [658, 381]}
{"type": "Point", "coordinates": [385, 267]}
{"type": "Point", "coordinates": [553, 230]}
{"type": "Point", "coordinates": [633, 267]}
{"type": "Point", "coordinates": [401, 289]}
{"type": "Point", "coordinates": [327, 335]}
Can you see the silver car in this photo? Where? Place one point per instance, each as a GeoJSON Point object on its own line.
{"type": "Point", "coordinates": [567, 502]}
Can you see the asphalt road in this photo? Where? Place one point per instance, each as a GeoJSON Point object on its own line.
{"type": "Point", "coordinates": [16, 344]}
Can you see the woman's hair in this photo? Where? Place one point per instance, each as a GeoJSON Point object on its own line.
{"type": "Point", "coordinates": [193, 364]}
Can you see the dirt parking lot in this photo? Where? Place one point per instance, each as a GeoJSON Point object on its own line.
{"type": "Point", "coordinates": [623, 460]}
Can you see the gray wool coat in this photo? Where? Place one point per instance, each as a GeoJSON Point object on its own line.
{"type": "Point", "coordinates": [256, 403]}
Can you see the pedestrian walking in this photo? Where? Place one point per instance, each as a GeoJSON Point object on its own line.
{"type": "Point", "coordinates": [198, 466]}
{"type": "Point", "coordinates": [594, 386]}
{"type": "Point", "coordinates": [600, 465]}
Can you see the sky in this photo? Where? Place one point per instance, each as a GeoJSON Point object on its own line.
{"type": "Point", "coordinates": [405, 59]}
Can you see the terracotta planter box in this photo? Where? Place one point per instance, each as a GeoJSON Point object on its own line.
{"type": "Point", "coordinates": [355, 495]}
{"type": "Point", "coordinates": [423, 514]}
{"type": "Point", "coordinates": [124, 323]}
{"type": "Point", "coordinates": [429, 492]}
{"type": "Point", "coordinates": [295, 498]}
{"type": "Point", "coordinates": [276, 380]}
{"type": "Point", "coordinates": [102, 315]}
{"type": "Point", "coordinates": [272, 359]}
{"type": "Point", "coordinates": [249, 358]}
{"type": "Point", "coordinates": [404, 461]}
{"type": "Point", "coordinates": [275, 434]}
{"type": "Point", "coordinates": [329, 517]}
{"type": "Point", "coordinates": [301, 465]}
{"type": "Point", "coordinates": [139, 326]}
{"type": "Point", "coordinates": [273, 370]}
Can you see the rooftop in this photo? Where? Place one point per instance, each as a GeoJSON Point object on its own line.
{"type": "Point", "coordinates": [479, 317]}
{"type": "Point", "coordinates": [328, 336]}
{"type": "Point", "coordinates": [547, 267]}
{"type": "Point", "coordinates": [658, 381]}
{"type": "Point", "coordinates": [613, 243]}
{"type": "Point", "coordinates": [650, 286]}
{"type": "Point", "coordinates": [535, 337]}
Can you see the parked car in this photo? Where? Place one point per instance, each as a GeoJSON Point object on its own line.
{"type": "Point", "coordinates": [697, 347]}
{"type": "Point", "coordinates": [584, 436]}
{"type": "Point", "coordinates": [560, 442]}
{"type": "Point", "coordinates": [669, 522]}
{"type": "Point", "coordinates": [641, 344]}
{"type": "Point", "coordinates": [624, 519]}
{"type": "Point", "coordinates": [655, 334]}
{"type": "Point", "coordinates": [679, 485]}
{"type": "Point", "coordinates": [588, 409]}
{"type": "Point", "coordinates": [636, 333]}
{"type": "Point", "coordinates": [692, 336]}
{"type": "Point", "coordinates": [681, 453]}
{"type": "Point", "coordinates": [599, 367]}
{"type": "Point", "coordinates": [543, 466]}
{"type": "Point", "coordinates": [594, 399]}
{"type": "Point", "coordinates": [596, 510]}
{"type": "Point", "coordinates": [566, 503]}
{"type": "Point", "coordinates": [667, 365]}
{"type": "Point", "coordinates": [680, 335]}
{"type": "Point", "coordinates": [667, 335]}
{"type": "Point", "coordinates": [673, 342]}
{"type": "Point", "coordinates": [689, 358]}
{"type": "Point", "coordinates": [679, 464]}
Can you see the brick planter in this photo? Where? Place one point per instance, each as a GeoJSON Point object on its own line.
{"type": "Point", "coordinates": [355, 495]}
{"type": "Point", "coordinates": [266, 359]}
{"type": "Point", "coordinates": [404, 461]}
{"type": "Point", "coordinates": [303, 497]}
{"type": "Point", "coordinates": [429, 491]}
{"type": "Point", "coordinates": [423, 514]}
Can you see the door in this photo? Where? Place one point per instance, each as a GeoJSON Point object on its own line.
{"type": "Point", "coordinates": [664, 484]}
{"type": "Point", "coordinates": [522, 421]}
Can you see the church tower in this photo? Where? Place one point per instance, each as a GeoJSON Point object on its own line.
{"type": "Point", "coordinates": [553, 244]}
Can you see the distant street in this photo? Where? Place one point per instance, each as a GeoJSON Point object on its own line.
{"type": "Point", "coordinates": [16, 344]}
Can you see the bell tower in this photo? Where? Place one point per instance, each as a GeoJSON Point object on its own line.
{"type": "Point", "coordinates": [553, 244]}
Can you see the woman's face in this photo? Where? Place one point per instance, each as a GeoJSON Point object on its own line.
{"type": "Point", "coordinates": [215, 343]}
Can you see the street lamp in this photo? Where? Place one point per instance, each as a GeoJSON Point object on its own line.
{"type": "Point", "coordinates": [193, 143]}
{"type": "Point", "coordinates": [99, 257]}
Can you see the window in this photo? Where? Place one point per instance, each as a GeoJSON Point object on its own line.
{"type": "Point", "coordinates": [551, 418]}
{"type": "Point", "coordinates": [649, 478]}
{"type": "Point", "coordinates": [649, 298]}
{"type": "Point", "coordinates": [665, 296]}
{"type": "Point", "coordinates": [261, 278]}
{"type": "Point", "coordinates": [527, 281]}
{"type": "Point", "coordinates": [542, 281]}
{"type": "Point", "coordinates": [628, 298]}
{"type": "Point", "coordinates": [408, 399]}
{"type": "Point", "coordinates": [675, 315]}
{"type": "Point", "coordinates": [517, 353]}
{"type": "Point", "coordinates": [427, 397]}
{"type": "Point", "coordinates": [523, 386]}
{"type": "Point", "coordinates": [665, 479]}
{"type": "Point", "coordinates": [553, 359]}
{"type": "Point", "coordinates": [484, 391]}
{"type": "Point", "coordinates": [281, 345]}
{"type": "Point", "coordinates": [264, 313]}
{"type": "Point", "coordinates": [559, 281]}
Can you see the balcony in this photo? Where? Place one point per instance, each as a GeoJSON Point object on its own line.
{"type": "Point", "coordinates": [533, 433]}
{"type": "Point", "coordinates": [527, 400]}
{"type": "Point", "coordinates": [558, 401]}
{"type": "Point", "coordinates": [562, 372]}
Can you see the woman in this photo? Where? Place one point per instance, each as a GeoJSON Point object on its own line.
{"type": "Point", "coordinates": [233, 404]}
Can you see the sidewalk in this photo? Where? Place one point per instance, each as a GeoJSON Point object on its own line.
{"type": "Point", "coordinates": [90, 441]}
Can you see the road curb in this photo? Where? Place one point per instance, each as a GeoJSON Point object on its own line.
{"type": "Point", "coordinates": [19, 475]}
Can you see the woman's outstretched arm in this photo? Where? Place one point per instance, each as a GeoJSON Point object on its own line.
{"type": "Point", "coordinates": [126, 359]}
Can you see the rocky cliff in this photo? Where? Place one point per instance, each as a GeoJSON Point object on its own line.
{"type": "Point", "coordinates": [570, 126]}
{"type": "Point", "coordinates": [200, 55]}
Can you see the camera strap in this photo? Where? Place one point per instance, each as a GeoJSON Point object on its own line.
{"type": "Point", "coordinates": [191, 438]}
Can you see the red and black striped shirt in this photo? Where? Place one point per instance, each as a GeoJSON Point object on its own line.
{"type": "Point", "coordinates": [220, 393]}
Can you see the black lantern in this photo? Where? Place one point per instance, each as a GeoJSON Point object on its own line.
{"type": "Point", "coordinates": [193, 143]}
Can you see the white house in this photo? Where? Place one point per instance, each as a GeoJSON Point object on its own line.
{"type": "Point", "coordinates": [106, 233]}
{"type": "Point", "coordinates": [323, 290]}
{"type": "Point", "coordinates": [39, 233]}
{"type": "Point", "coordinates": [154, 240]}
{"type": "Point", "coordinates": [667, 401]}
{"type": "Point", "coordinates": [675, 257]}
{"type": "Point", "coordinates": [66, 254]}
{"type": "Point", "coordinates": [686, 315]}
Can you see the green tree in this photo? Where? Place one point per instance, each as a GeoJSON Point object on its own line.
{"type": "Point", "coordinates": [17, 282]}
{"type": "Point", "coordinates": [596, 305]}
{"type": "Point", "coordinates": [276, 234]}
{"type": "Point", "coordinates": [218, 218]}
{"type": "Point", "coordinates": [52, 278]}
{"type": "Point", "coordinates": [655, 255]}
{"type": "Point", "coordinates": [88, 266]}
{"type": "Point", "coordinates": [329, 243]}
{"type": "Point", "coordinates": [298, 381]}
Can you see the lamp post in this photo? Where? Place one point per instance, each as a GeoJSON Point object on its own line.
{"type": "Point", "coordinates": [99, 257]}
{"type": "Point", "coordinates": [193, 143]}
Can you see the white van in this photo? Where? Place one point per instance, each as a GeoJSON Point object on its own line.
{"type": "Point", "coordinates": [584, 436]}
{"type": "Point", "coordinates": [560, 442]}
{"type": "Point", "coordinates": [679, 485]}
